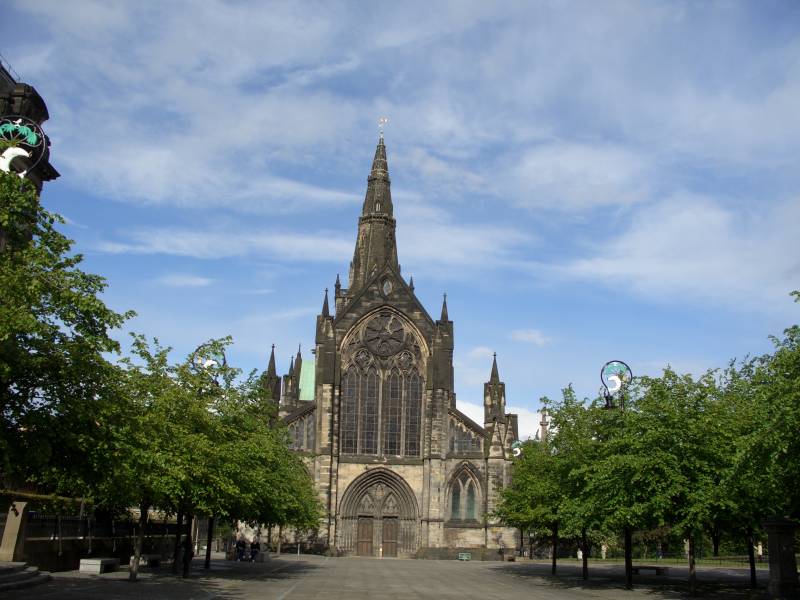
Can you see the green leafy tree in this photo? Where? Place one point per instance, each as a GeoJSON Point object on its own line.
{"type": "Point", "coordinates": [575, 442]}
{"type": "Point", "coordinates": [54, 333]}
{"type": "Point", "coordinates": [533, 500]}
{"type": "Point", "coordinates": [188, 438]}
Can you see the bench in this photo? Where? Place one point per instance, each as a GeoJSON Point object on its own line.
{"type": "Point", "coordinates": [147, 560]}
{"type": "Point", "coordinates": [657, 569]}
{"type": "Point", "coordinates": [99, 565]}
{"type": "Point", "coordinates": [464, 556]}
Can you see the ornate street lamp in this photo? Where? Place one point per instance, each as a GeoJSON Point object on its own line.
{"type": "Point", "coordinates": [615, 376]}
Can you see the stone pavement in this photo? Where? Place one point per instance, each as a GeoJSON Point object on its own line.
{"type": "Point", "coordinates": [314, 577]}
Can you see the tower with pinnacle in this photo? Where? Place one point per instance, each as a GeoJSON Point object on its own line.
{"type": "Point", "coordinates": [400, 470]}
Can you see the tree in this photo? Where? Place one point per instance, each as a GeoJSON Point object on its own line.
{"type": "Point", "coordinates": [54, 332]}
{"type": "Point", "coordinates": [188, 438]}
{"type": "Point", "coordinates": [576, 442]}
{"type": "Point", "coordinates": [533, 500]}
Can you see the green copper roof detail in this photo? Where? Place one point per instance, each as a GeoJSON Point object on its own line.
{"type": "Point", "coordinates": [307, 379]}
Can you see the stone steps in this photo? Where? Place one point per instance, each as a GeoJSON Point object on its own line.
{"type": "Point", "coordinates": [18, 575]}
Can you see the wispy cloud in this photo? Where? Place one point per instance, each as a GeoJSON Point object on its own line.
{"type": "Point", "coordinates": [205, 244]}
{"type": "Point", "coordinates": [696, 247]}
{"type": "Point", "coordinates": [530, 336]}
{"type": "Point", "coordinates": [183, 280]}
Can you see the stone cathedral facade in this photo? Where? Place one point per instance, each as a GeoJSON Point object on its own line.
{"type": "Point", "coordinates": [399, 469]}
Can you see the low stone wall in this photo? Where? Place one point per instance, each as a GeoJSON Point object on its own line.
{"type": "Point", "coordinates": [66, 555]}
{"type": "Point", "coordinates": [452, 553]}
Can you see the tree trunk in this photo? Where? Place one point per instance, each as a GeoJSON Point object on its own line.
{"type": "Point", "coordinates": [176, 555]}
{"type": "Point", "coordinates": [187, 549]}
{"type": "Point", "coordinates": [208, 541]}
{"type": "Point", "coordinates": [751, 556]}
{"type": "Point", "coordinates": [628, 558]}
{"type": "Point", "coordinates": [280, 535]}
{"type": "Point", "coordinates": [137, 547]}
{"type": "Point", "coordinates": [555, 547]}
{"type": "Point", "coordinates": [585, 552]}
{"type": "Point", "coordinates": [715, 539]}
{"type": "Point", "coordinates": [692, 570]}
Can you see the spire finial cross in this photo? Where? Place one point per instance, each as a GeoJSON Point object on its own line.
{"type": "Point", "coordinates": [382, 121]}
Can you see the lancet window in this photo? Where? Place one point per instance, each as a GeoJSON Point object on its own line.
{"type": "Point", "coordinates": [369, 413]}
{"type": "Point", "coordinates": [302, 433]}
{"type": "Point", "coordinates": [464, 498]}
{"type": "Point", "coordinates": [349, 417]}
{"type": "Point", "coordinates": [392, 416]}
{"type": "Point", "coordinates": [413, 413]}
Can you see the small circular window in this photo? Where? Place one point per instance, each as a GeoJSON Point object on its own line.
{"type": "Point", "coordinates": [386, 286]}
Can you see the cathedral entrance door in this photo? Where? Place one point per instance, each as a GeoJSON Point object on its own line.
{"type": "Point", "coordinates": [364, 547]}
{"type": "Point", "coordinates": [390, 536]}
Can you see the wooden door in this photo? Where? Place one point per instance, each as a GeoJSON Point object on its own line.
{"type": "Point", "coordinates": [364, 547]}
{"type": "Point", "coordinates": [390, 529]}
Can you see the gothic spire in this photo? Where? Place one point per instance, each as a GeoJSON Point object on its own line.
{"type": "Point", "coordinates": [291, 366]}
{"type": "Point", "coordinates": [298, 362]}
{"type": "Point", "coordinates": [495, 377]}
{"type": "Point", "coordinates": [326, 311]}
{"type": "Point", "coordinates": [411, 283]}
{"type": "Point", "coordinates": [444, 310]}
{"type": "Point", "coordinates": [379, 198]}
{"type": "Point", "coordinates": [376, 247]}
{"type": "Point", "coordinates": [271, 371]}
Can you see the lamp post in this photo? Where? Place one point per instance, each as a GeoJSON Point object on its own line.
{"type": "Point", "coordinates": [615, 376]}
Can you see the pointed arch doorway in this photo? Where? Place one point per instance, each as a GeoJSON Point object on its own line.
{"type": "Point", "coordinates": [378, 516]}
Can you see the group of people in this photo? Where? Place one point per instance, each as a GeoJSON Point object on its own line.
{"type": "Point", "coordinates": [241, 548]}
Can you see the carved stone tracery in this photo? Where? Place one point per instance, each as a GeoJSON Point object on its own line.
{"type": "Point", "coordinates": [382, 358]}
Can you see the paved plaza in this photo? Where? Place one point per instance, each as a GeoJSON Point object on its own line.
{"type": "Point", "coordinates": [314, 577]}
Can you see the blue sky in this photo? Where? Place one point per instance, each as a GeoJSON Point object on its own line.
{"type": "Point", "coordinates": [587, 181]}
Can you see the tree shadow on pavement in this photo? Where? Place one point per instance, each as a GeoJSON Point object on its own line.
{"type": "Point", "coordinates": [607, 577]}
{"type": "Point", "coordinates": [224, 581]}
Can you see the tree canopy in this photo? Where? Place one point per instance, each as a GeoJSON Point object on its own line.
{"type": "Point", "coordinates": [689, 456]}
{"type": "Point", "coordinates": [140, 430]}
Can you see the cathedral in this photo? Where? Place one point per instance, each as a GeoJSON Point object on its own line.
{"type": "Point", "coordinates": [400, 471]}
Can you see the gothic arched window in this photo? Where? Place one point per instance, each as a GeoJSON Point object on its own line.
{"type": "Point", "coordinates": [381, 392]}
{"type": "Point", "coordinates": [349, 412]}
{"type": "Point", "coordinates": [464, 497]}
{"type": "Point", "coordinates": [369, 413]}
{"type": "Point", "coordinates": [469, 507]}
{"type": "Point", "coordinates": [297, 435]}
{"type": "Point", "coordinates": [455, 501]}
{"type": "Point", "coordinates": [310, 432]}
{"type": "Point", "coordinates": [391, 416]}
{"type": "Point", "coordinates": [413, 410]}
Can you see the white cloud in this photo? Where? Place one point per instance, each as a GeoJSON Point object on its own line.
{"type": "Point", "coordinates": [473, 411]}
{"type": "Point", "coordinates": [480, 353]}
{"type": "Point", "coordinates": [182, 280]}
{"type": "Point", "coordinates": [435, 243]}
{"type": "Point", "coordinates": [528, 423]}
{"type": "Point", "coordinates": [211, 244]}
{"type": "Point", "coordinates": [572, 176]}
{"type": "Point", "coordinates": [531, 336]}
{"type": "Point", "coordinates": [695, 247]}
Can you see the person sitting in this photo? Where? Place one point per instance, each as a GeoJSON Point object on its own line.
{"type": "Point", "coordinates": [241, 545]}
